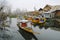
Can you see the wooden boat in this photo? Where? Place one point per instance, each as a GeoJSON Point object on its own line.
{"type": "Point", "coordinates": [39, 20]}
{"type": "Point", "coordinates": [25, 27]}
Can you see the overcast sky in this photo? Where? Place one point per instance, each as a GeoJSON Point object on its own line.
{"type": "Point", "coordinates": [30, 4]}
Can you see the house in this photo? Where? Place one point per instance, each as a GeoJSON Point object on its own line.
{"type": "Point", "coordinates": [56, 7]}
{"type": "Point", "coordinates": [45, 11]}
{"type": "Point", "coordinates": [50, 11]}
{"type": "Point", "coordinates": [57, 13]}
{"type": "Point", "coordinates": [47, 8]}
{"type": "Point", "coordinates": [47, 15]}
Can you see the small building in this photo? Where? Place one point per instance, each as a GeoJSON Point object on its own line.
{"type": "Point", "coordinates": [46, 15]}
{"type": "Point", "coordinates": [57, 13]}
{"type": "Point", "coordinates": [47, 8]}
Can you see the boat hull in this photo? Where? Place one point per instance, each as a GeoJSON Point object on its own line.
{"type": "Point", "coordinates": [29, 30]}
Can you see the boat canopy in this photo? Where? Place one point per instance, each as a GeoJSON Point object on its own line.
{"type": "Point", "coordinates": [23, 20]}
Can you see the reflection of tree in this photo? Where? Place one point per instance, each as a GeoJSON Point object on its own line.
{"type": "Point", "coordinates": [27, 35]}
{"type": "Point", "coordinates": [54, 28]}
{"type": "Point", "coordinates": [45, 27]}
{"type": "Point", "coordinates": [41, 26]}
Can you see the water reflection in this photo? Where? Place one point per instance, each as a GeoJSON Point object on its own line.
{"type": "Point", "coordinates": [41, 27]}
{"type": "Point", "coordinates": [49, 26]}
{"type": "Point", "coordinates": [47, 32]}
{"type": "Point", "coordinates": [27, 35]}
{"type": "Point", "coordinates": [56, 28]}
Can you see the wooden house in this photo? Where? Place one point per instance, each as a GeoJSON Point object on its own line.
{"type": "Point", "coordinates": [57, 13]}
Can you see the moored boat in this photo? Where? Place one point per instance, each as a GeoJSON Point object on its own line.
{"type": "Point", "coordinates": [26, 26]}
{"type": "Point", "coordinates": [39, 21]}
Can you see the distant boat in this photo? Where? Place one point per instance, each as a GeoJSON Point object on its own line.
{"type": "Point", "coordinates": [39, 21]}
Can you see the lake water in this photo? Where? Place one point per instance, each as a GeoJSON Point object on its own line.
{"type": "Point", "coordinates": [13, 33]}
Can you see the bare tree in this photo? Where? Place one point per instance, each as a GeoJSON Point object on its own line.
{"type": "Point", "coordinates": [3, 16]}
{"type": "Point", "coordinates": [2, 6]}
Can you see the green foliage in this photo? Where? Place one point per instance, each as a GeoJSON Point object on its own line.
{"type": "Point", "coordinates": [13, 16]}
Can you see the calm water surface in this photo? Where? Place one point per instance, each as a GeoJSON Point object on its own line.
{"type": "Point", "coordinates": [46, 33]}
